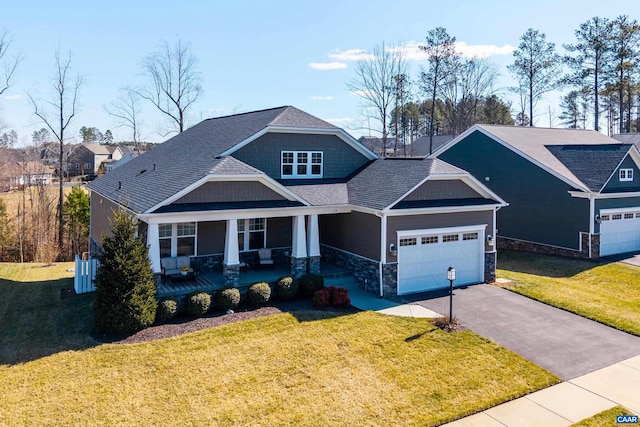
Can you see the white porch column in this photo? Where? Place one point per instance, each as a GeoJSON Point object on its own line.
{"type": "Point", "coordinates": [299, 243]}
{"type": "Point", "coordinates": [231, 255]}
{"type": "Point", "coordinates": [153, 241]}
{"type": "Point", "coordinates": [313, 238]}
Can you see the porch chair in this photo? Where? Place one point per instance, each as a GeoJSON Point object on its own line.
{"type": "Point", "coordinates": [264, 255]}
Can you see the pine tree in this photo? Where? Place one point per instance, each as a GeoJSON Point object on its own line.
{"type": "Point", "coordinates": [125, 287]}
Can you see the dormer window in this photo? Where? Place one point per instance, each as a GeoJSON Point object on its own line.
{"type": "Point", "coordinates": [626, 174]}
{"type": "Point", "coordinates": [301, 164]}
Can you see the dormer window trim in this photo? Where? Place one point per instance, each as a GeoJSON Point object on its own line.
{"type": "Point", "coordinates": [301, 164]}
{"type": "Point", "coordinates": [626, 175]}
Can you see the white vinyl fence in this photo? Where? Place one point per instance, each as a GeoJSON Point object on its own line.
{"type": "Point", "coordinates": [85, 273]}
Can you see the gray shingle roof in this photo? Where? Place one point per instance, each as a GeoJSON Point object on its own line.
{"type": "Point", "coordinates": [533, 142]}
{"type": "Point", "coordinates": [192, 155]}
{"type": "Point", "coordinates": [322, 194]}
{"type": "Point", "coordinates": [420, 147]}
{"type": "Point", "coordinates": [386, 180]}
{"type": "Point", "coordinates": [592, 164]}
{"type": "Point", "coordinates": [628, 138]}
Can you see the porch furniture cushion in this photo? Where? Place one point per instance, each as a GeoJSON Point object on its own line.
{"type": "Point", "coordinates": [265, 257]}
{"type": "Point", "coordinates": [171, 266]}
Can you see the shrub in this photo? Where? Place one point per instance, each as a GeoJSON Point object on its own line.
{"type": "Point", "coordinates": [125, 298]}
{"type": "Point", "coordinates": [228, 299]}
{"type": "Point", "coordinates": [309, 284]}
{"type": "Point", "coordinates": [258, 293]}
{"type": "Point", "coordinates": [286, 289]}
{"type": "Point", "coordinates": [340, 298]}
{"type": "Point", "coordinates": [167, 309]}
{"type": "Point", "coordinates": [322, 298]}
{"type": "Point", "coordinates": [198, 303]}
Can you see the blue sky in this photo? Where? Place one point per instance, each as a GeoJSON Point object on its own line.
{"type": "Point", "coordinates": [258, 54]}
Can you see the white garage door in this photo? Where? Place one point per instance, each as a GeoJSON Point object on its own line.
{"type": "Point", "coordinates": [425, 255]}
{"type": "Point", "coordinates": [619, 231]}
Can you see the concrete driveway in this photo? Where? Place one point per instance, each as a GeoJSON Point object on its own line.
{"type": "Point", "coordinates": [563, 343]}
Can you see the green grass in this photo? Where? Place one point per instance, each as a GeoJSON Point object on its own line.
{"type": "Point", "coordinates": [604, 418]}
{"type": "Point", "coordinates": [605, 292]}
{"type": "Point", "coordinates": [307, 368]}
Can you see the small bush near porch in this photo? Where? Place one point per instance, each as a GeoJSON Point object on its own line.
{"type": "Point", "coordinates": [606, 292]}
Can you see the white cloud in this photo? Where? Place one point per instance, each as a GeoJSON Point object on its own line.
{"type": "Point", "coordinates": [15, 97]}
{"type": "Point", "coordinates": [350, 55]}
{"type": "Point", "coordinates": [327, 65]}
{"type": "Point", "coordinates": [412, 52]}
{"type": "Point", "coordinates": [322, 98]}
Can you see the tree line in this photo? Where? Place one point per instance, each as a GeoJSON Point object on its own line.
{"type": "Point", "coordinates": [600, 73]}
{"type": "Point", "coordinates": [173, 86]}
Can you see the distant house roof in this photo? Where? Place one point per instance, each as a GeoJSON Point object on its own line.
{"type": "Point", "coordinates": [420, 147]}
{"type": "Point", "coordinates": [18, 169]}
{"type": "Point", "coordinates": [374, 144]}
{"type": "Point", "coordinates": [574, 159]}
{"type": "Point", "coordinates": [198, 152]}
{"type": "Point", "coordinates": [628, 138]}
{"type": "Point", "coordinates": [98, 148]}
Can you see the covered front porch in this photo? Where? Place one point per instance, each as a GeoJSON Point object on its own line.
{"type": "Point", "coordinates": [212, 281]}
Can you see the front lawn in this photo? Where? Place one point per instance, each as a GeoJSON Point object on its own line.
{"type": "Point", "coordinates": [605, 292]}
{"type": "Point", "coordinates": [604, 418]}
{"type": "Point", "coordinates": [303, 368]}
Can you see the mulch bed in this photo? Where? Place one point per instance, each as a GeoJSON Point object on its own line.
{"type": "Point", "coordinates": [184, 324]}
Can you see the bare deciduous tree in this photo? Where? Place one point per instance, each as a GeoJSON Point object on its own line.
{"type": "Point", "coordinates": [126, 109]}
{"type": "Point", "coordinates": [375, 84]}
{"type": "Point", "coordinates": [9, 65]}
{"type": "Point", "coordinates": [175, 81]}
{"type": "Point", "coordinates": [56, 114]}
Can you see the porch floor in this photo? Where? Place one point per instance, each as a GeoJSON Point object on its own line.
{"type": "Point", "coordinates": [213, 281]}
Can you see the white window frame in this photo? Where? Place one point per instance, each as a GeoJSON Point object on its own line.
{"type": "Point", "coordinates": [309, 163]}
{"type": "Point", "coordinates": [174, 238]}
{"type": "Point", "coordinates": [87, 166]}
{"type": "Point", "coordinates": [626, 175]}
{"type": "Point", "coordinates": [244, 230]}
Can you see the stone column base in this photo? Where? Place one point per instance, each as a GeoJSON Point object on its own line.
{"type": "Point", "coordinates": [231, 275]}
{"type": "Point", "coordinates": [298, 267]}
{"type": "Point", "coordinates": [490, 259]}
{"type": "Point", "coordinates": [314, 264]}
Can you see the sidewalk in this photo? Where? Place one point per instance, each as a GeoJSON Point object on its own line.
{"type": "Point", "coordinates": [561, 405]}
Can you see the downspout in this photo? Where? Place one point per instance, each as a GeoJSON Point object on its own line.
{"type": "Point", "coordinates": [383, 246]}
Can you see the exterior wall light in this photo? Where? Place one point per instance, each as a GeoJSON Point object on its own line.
{"type": "Point", "coordinates": [598, 219]}
{"type": "Point", "coordinates": [393, 250]}
{"type": "Point", "coordinates": [490, 241]}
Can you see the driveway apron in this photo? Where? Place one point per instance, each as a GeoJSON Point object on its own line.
{"type": "Point", "coordinates": [561, 342]}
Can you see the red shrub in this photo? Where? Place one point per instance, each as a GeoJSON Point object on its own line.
{"type": "Point", "coordinates": [340, 298]}
{"type": "Point", "coordinates": [322, 298]}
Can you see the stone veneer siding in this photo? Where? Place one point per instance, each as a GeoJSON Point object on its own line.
{"type": "Point", "coordinates": [522, 246]}
{"type": "Point", "coordinates": [390, 278]}
{"type": "Point", "coordinates": [365, 271]}
{"type": "Point", "coordinates": [314, 264]}
{"type": "Point", "coordinates": [231, 275]}
{"type": "Point", "coordinates": [490, 259]}
{"type": "Point", "coordinates": [298, 267]}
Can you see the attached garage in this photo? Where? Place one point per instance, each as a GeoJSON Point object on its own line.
{"type": "Point", "coordinates": [425, 255]}
{"type": "Point", "coordinates": [619, 231]}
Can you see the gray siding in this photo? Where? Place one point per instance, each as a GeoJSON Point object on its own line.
{"type": "Point", "coordinates": [240, 191]}
{"type": "Point", "coordinates": [101, 216]}
{"type": "Point", "coordinates": [339, 159]}
{"type": "Point", "coordinates": [355, 232]}
{"type": "Point", "coordinates": [419, 222]}
{"type": "Point", "coordinates": [614, 185]}
{"type": "Point", "coordinates": [443, 190]}
{"type": "Point", "coordinates": [279, 232]}
{"type": "Point", "coordinates": [540, 208]}
{"type": "Point", "coordinates": [211, 236]}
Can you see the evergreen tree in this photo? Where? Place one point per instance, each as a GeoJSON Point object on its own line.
{"type": "Point", "coordinates": [76, 210]}
{"type": "Point", "coordinates": [571, 111]}
{"type": "Point", "coordinates": [125, 286]}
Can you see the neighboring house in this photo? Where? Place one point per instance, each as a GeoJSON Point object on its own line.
{"type": "Point", "coordinates": [285, 180]}
{"type": "Point", "coordinates": [374, 143]}
{"type": "Point", "coordinates": [570, 192]}
{"type": "Point", "coordinates": [86, 158]}
{"type": "Point", "coordinates": [16, 174]}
